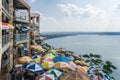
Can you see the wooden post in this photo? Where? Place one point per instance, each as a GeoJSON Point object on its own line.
{"type": "Point", "coordinates": [11, 35]}
{"type": "Point", "coordinates": [0, 33]}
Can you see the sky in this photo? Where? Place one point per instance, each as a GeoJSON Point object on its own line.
{"type": "Point", "coordinates": [77, 15]}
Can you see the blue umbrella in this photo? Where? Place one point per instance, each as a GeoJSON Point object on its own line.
{"type": "Point", "coordinates": [36, 56]}
{"type": "Point", "coordinates": [61, 59]}
{"type": "Point", "coordinates": [35, 67]}
{"type": "Point", "coordinates": [25, 28]}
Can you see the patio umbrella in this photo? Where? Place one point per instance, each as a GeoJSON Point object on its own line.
{"type": "Point", "coordinates": [61, 65]}
{"type": "Point", "coordinates": [36, 56]}
{"type": "Point", "coordinates": [24, 59]}
{"type": "Point", "coordinates": [25, 28]}
{"type": "Point", "coordinates": [4, 25]}
{"type": "Point", "coordinates": [72, 65]}
{"type": "Point", "coordinates": [35, 67]}
{"type": "Point", "coordinates": [81, 69]}
{"type": "Point", "coordinates": [50, 55]}
{"type": "Point", "coordinates": [75, 75]}
{"type": "Point", "coordinates": [61, 59]}
{"type": "Point", "coordinates": [34, 46]}
{"type": "Point", "coordinates": [52, 51]}
{"type": "Point", "coordinates": [55, 72]}
{"type": "Point", "coordinates": [47, 59]}
{"type": "Point", "coordinates": [45, 77]}
{"type": "Point", "coordinates": [47, 65]}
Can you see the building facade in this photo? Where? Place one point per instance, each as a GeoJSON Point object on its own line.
{"type": "Point", "coordinates": [6, 34]}
{"type": "Point", "coordinates": [16, 24]}
{"type": "Point", "coordinates": [35, 22]}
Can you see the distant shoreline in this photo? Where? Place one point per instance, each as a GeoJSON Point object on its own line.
{"type": "Point", "coordinates": [50, 35]}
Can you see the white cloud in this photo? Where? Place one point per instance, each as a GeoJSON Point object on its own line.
{"type": "Point", "coordinates": [74, 10]}
{"type": "Point", "coordinates": [88, 18]}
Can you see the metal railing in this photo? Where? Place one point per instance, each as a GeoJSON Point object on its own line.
{"type": "Point", "coordinates": [21, 15]}
{"type": "Point", "coordinates": [5, 5]}
{"type": "Point", "coordinates": [5, 40]}
{"type": "Point", "coordinates": [20, 37]}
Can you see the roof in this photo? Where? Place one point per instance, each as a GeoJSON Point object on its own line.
{"type": "Point", "coordinates": [20, 4]}
{"type": "Point", "coordinates": [35, 15]}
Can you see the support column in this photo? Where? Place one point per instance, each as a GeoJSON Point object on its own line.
{"type": "Point", "coordinates": [11, 36]}
{"type": "Point", "coordinates": [0, 33]}
{"type": "Point", "coordinates": [29, 44]}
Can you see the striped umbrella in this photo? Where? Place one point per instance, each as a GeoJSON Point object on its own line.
{"type": "Point", "coordinates": [62, 65]}
{"type": "Point", "coordinates": [47, 59]}
{"type": "Point", "coordinates": [35, 67]}
{"type": "Point", "coordinates": [81, 69]}
{"type": "Point", "coordinates": [4, 25]}
{"type": "Point", "coordinates": [48, 65]}
{"type": "Point", "coordinates": [45, 77]}
{"type": "Point", "coordinates": [75, 75]}
{"type": "Point", "coordinates": [72, 65]}
{"type": "Point", "coordinates": [36, 56]}
{"type": "Point", "coordinates": [55, 72]}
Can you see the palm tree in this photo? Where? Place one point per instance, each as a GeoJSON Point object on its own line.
{"type": "Point", "coordinates": [108, 68]}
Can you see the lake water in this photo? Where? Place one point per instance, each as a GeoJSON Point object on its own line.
{"type": "Point", "coordinates": [108, 46]}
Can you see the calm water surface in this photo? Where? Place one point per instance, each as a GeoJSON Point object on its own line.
{"type": "Point", "coordinates": [108, 46]}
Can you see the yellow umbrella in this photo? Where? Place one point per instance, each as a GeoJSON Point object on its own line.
{"type": "Point", "coordinates": [20, 45]}
{"type": "Point", "coordinates": [82, 63]}
{"type": "Point", "coordinates": [47, 65]}
{"type": "Point", "coordinates": [24, 59]}
{"type": "Point", "coordinates": [48, 56]}
{"type": "Point", "coordinates": [40, 49]}
{"type": "Point", "coordinates": [38, 60]}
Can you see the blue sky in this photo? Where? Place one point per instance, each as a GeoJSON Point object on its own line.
{"type": "Point", "coordinates": [77, 15]}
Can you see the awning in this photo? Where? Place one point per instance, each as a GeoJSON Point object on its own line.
{"type": "Point", "coordinates": [7, 26]}
{"type": "Point", "coordinates": [21, 4]}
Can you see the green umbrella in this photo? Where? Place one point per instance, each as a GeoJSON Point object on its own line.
{"type": "Point", "coordinates": [55, 72]}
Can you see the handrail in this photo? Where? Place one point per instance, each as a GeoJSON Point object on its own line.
{"type": "Point", "coordinates": [5, 40]}
{"type": "Point", "coordinates": [20, 37]}
{"type": "Point", "coordinates": [5, 5]}
{"type": "Point", "coordinates": [21, 15]}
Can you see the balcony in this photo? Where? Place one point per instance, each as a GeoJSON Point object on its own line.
{"type": "Point", "coordinates": [5, 42]}
{"type": "Point", "coordinates": [37, 24]}
{"type": "Point", "coordinates": [5, 7]}
{"type": "Point", "coordinates": [21, 17]}
{"type": "Point", "coordinates": [20, 38]}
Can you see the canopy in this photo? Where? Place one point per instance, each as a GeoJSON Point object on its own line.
{"type": "Point", "coordinates": [62, 59]}
{"type": "Point", "coordinates": [75, 75]}
{"type": "Point", "coordinates": [36, 56]}
{"type": "Point", "coordinates": [7, 26]}
{"type": "Point", "coordinates": [55, 72]}
{"type": "Point", "coordinates": [72, 65]}
{"type": "Point", "coordinates": [47, 59]}
{"type": "Point", "coordinates": [35, 67]}
{"type": "Point", "coordinates": [47, 65]}
{"type": "Point", "coordinates": [24, 59]}
{"type": "Point", "coordinates": [50, 55]}
{"type": "Point", "coordinates": [61, 65]}
{"type": "Point", "coordinates": [81, 69]}
{"type": "Point", "coordinates": [45, 77]}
